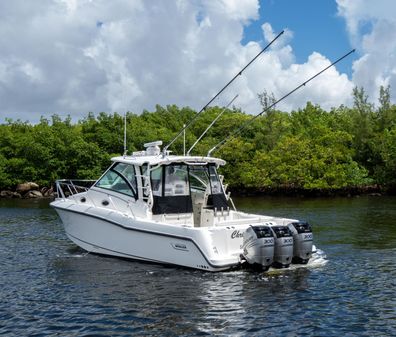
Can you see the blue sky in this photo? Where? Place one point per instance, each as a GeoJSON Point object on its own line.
{"type": "Point", "coordinates": [71, 57]}
{"type": "Point", "coordinates": [315, 26]}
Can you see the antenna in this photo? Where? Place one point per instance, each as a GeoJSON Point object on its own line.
{"type": "Point", "coordinates": [184, 140]}
{"type": "Point", "coordinates": [220, 144]}
{"type": "Point", "coordinates": [214, 97]}
{"type": "Point", "coordinates": [125, 132]}
{"type": "Point", "coordinates": [211, 124]}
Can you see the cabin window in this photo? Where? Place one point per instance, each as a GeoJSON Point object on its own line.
{"type": "Point", "coordinates": [199, 178]}
{"type": "Point", "coordinates": [143, 169]}
{"type": "Point", "coordinates": [156, 181]}
{"type": "Point", "coordinates": [217, 198]}
{"type": "Point", "coordinates": [214, 181]}
{"type": "Point", "coordinates": [119, 178]}
{"type": "Point", "coordinates": [176, 180]}
{"type": "Point", "coordinates": [171, 189]}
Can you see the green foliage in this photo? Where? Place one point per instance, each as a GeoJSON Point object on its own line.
{"type": "Point", "coordinates": [305, 149]}
{"type": "Point", "coordinates": [300, 162]}
{"type": "Point", "coordinates": [385, 148]}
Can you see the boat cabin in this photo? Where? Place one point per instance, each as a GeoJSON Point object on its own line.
{"type": "Point", "coordinates": [168, 184]}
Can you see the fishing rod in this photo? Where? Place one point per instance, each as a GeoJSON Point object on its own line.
{"type": "Point", "coordinates": [243, 126]}
{"type": "Point", "coordinates": [232, 80]}
{"type": "Point", "coordinates": [211, 124]}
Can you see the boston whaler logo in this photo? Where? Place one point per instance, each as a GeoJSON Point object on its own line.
{"type": "Point", "coordinates": [236, 234]}
{"type": "Point", "coordinates": [179, 246]}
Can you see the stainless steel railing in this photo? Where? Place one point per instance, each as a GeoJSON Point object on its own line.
{"type": "Point", "coordinates": [68, 187]}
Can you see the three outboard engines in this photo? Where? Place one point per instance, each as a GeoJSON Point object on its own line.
{"type": "Point", "coordinates": [278, 246]}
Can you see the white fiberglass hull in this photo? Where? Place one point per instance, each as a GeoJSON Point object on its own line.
{"type": "Point", "coordinates": [111, 233]}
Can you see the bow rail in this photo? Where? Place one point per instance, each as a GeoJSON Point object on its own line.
{"type": "Point", "coordinates": [68, 187]}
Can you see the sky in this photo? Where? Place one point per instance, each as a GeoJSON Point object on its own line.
{"type": "Point", "coordinates": [71, 57]}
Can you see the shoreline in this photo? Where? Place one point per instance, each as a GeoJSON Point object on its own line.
{"type": "Point", "coordinates": [372, 190]}
{"type": "Point", "coordinates": [31, 190]}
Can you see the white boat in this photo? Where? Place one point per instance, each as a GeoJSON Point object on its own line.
{"type": "Point", "coordinates": [163, 208]}
{"type": "Point", "coordinates": [170, 209]}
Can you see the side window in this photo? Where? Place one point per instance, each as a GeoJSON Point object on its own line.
{"type": "Point", "coordinates": [214, 180]}
{"type": "Point", "coordinates": [156, 181]}
{"type": "Point", "coordinates": [199, 178]}
{"type": "Point", "coordinates": [176, 180]}
{"type": "Point", "coordinates": [143, 169]}
{"type": "Point", "coordinates": [120, 178]}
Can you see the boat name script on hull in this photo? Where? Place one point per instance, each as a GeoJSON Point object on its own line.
{"type": "Point", "coordinates": [236, 234]}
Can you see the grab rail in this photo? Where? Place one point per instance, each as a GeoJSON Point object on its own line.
{"type": "Point", "coordinates": [68, 187]}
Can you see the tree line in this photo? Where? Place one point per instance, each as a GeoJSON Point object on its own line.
{"type": "Point", "coordinates": [308, 149]}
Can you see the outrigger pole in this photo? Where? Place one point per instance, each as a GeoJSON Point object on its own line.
{"type": "Point", "coordinates": [243, 126]}
{"type": "Point", "coordinates": [211, 124]}
{"type": "Point", "coordinates": [232, 80]}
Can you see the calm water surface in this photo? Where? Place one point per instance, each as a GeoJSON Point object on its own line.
{"type": "Point", "coordinates": [49, 287]}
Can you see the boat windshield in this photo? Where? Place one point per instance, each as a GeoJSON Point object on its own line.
{"type": "Point", "coordinates": [120, 178]}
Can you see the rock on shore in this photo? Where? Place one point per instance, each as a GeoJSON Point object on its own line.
{"type": "Point", "coordinates": [28, 190]}
{"type": "Point", "coordinates": [26, 187]}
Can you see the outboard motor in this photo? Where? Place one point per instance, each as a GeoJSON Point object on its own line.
{"type": "Point", "coordinates": [283, 248]}
{"type": "Point", "coordinates": [303, 237]}
{"type": "Point", "coordinates": [258, 246]}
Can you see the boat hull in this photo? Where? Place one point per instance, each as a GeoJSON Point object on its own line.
{"type": "Point", "coordinates": [118, 235]}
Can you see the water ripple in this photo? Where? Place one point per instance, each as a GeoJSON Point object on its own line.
{"type": "Point", "coordinates": [50, 287]}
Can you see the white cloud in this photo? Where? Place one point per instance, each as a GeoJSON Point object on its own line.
{"type": "Point", "coordinates": [234, 9]}
{"type": "Point", "coordinates": [33, 73]}
{"type": "Point", "coordinates": [372, 29]}
{"type": "Point", "coordinates": [71, 57]}
{"type": "Point", "coordinates": [278, 73]}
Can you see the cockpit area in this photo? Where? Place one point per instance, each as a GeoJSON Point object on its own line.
{"type": "Point", "coordinates": [183, 188]}
{"type": "Point", "coordinates": [172, 188]}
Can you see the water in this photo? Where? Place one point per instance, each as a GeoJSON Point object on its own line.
{"type": "Point", "coordinates": [49, 287]}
